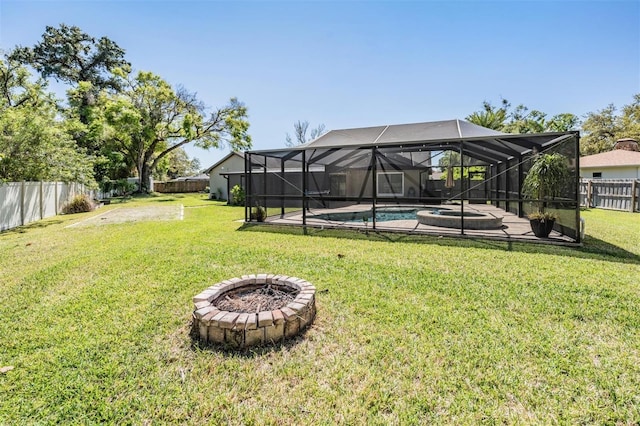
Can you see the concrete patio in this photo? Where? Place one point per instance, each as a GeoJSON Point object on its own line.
{"type": "Point", "coordinates": [513, 227]}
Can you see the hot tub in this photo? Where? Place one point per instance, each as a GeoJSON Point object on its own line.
{"type": "Point", "coordinates": [453, 219]}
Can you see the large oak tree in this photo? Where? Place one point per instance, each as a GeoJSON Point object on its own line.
{"type": "Point", "coordinates": [69, 55]}
{"type": "Point", "coordinates": [149, 119]}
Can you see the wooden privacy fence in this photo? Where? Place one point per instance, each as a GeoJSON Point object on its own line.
{"type": "Point", "coordinates": [180, 186]}
{"type": "Point", "coordinates": [612, 194]}
{"type": "Point", "coordinates": [25, 202]}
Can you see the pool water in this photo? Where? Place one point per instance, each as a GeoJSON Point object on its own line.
{"type": "Point", "coordinates": [382, 215]}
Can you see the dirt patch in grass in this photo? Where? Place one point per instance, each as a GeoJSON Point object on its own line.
{"type": "Point", "coordinates": [133, 214]}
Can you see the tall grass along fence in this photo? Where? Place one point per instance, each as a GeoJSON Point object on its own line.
{"type": "Point", "coordinates": [25, 202]}
{"type": "Point", "coordinates": [612, 194]}
{"type": "Point", "coordinates": [180, 186]}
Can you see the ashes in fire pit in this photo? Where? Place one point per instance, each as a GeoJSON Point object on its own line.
{"type": "Point", "coordinates": [254, 309]}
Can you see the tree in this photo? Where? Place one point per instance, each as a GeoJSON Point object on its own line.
{"type": "Point", "coordinates": [630, 120]}
{"type": "Point", "coordinates": [34, 145]}
{"type": "Point", "coordinates": [452, 158]}
{"type": "Point", "coordinates": [520, 119]}
{"type": "Point", "coordinates": [490, 117]}
{"type": "Point", "coordinates": [563, 122]}
{"type": "Point", "coordinates": [176, 164]}
{"type": "Point", "coordinates": [449, 158]}
{"type": "Point", "coordinates": [67, 54]}
{"type": "Point", "coordinates": [600, 131]}
{"type": "Point", "coordinates": [300, 132]}
{"type": "Point", "coordinates": [93, 135]}
{"type": "Point", "coordinates": [149, 119]}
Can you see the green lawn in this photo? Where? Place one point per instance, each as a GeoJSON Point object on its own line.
{"type": "Point", "coordinates": [96, 320]}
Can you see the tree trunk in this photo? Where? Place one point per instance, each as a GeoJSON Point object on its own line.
{"type": "Point", "coordinates": [145, 178]}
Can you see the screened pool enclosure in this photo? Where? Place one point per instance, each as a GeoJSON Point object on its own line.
{"type": "Point", "coordinates": [439, 178]}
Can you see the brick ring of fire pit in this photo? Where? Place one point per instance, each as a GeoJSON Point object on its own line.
{"type": "Point", "coordinates": [214, 324]}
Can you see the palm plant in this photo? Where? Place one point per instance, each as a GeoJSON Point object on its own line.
{"type": "Point", "coordinates": [491, 117]}
{"type": "Point", "coordinates": [544, 182]}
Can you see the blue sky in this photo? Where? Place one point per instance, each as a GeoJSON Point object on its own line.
{"type": "Point", "coordinates": [363, 63]}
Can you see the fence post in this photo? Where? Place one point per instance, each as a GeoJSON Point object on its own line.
{"type": "Point", "coordinates": [22, 203]}
{"type": "Point", "coordinates": [634, 186]}
{"type": "Point", "coordinates": [41, 194]}
{"type": "Point", "coordinates": [588, 200]}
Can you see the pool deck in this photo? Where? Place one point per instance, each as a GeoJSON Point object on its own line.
{"type": "Point", "coordinates": [513, 228]}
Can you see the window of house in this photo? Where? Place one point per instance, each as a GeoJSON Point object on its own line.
{"type": "Point", "coordinates": [390, 184]}
{"type": "Point", "coordinates": [338, 185]}
{"type": "Point", "coordinates": [597, 175]}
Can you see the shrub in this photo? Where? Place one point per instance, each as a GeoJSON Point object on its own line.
{"type": "Point", "coordinates": [237, 195]}
{"type": "Point", "coordinates": [80, 204]}
{"type": "Point", "coordinates": [259, 213]}
{"type": "Point", "coordinates": [106, 186]}
{"type": "Point", "coordinates": [124, 187]}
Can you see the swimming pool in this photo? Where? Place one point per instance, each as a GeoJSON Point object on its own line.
{"type": "Point", "coordinates": [383, 214]}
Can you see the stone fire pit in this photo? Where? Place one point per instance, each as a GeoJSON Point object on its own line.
{"type": "Point", "coordinates": [254, 310]}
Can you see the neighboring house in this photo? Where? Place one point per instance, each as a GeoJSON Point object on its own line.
{"type": "Point", "coordinates": [621, 163]}
{"type": "Point", "coordinates": [229, 172]}
{"type": "Point", "coordinates": [225, 174]}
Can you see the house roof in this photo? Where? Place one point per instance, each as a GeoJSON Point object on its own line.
{"type": "Point", "coordinates": [615, 158]}
{"type": "Point", "coordinates": [225, 158]}
{"type": "Point", "coordinates": [201, 176]}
